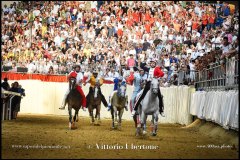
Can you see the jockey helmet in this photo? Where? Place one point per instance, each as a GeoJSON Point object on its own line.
{"type": "Point", "coordinates": [120, 78]}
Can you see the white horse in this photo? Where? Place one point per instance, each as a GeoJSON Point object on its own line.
{"type": "Point", "coordinates": [149, 106]}
{"type": "Point", "coordinates": [118, 102]}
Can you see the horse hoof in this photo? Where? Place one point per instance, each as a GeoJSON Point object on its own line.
{"type": "Point", "coordinates": [74, 127]}
{"type": "Point", "coordinates": [144, 132]}
{"type": "Point", "coordinates": [154, 134]}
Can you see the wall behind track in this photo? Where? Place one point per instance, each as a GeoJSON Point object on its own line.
{"type": "Point", "coordinates": [46, 97]}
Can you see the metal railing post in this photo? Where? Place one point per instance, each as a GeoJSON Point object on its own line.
{"type": "Point", "coordinates": [10, 108]}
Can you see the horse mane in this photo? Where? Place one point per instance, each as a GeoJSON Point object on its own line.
{"type": "Point", "coordinates": [155, 79]}
{"type": "Point", "coordinates": [119, 91]}
{"type": "Point", "coordinates": [70, 83]}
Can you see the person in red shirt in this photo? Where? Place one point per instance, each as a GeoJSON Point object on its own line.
{"type": "Point", "coordinates": [152, 21]}
{"type": "Point", "coordinates": [148, 27]}
{"type": "Point", "coordinates": [79, 77]}
{"type": "Point", "coordinates": [136, 16]}
{"type": "Point", "coordinates": [204, 20]}
{"type": "Point", "coordinates": [129, 22]}
{"type": "Point", "coordinates": [211, 21]}
{"type": "Point", "coordinates": [195, 24]}
{"type": "Point", "coordinates": [147, 16]}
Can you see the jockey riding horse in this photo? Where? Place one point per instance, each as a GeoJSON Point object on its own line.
{"type": "Point", "coordinates": [95, 81]}
{"type": "Point", "coordinates": [154, 71]}
{"type": "Point", "coordinates": [79, 78]}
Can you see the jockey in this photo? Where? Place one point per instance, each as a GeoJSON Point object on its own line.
{"type": "Point", "coordinates": [137, 78]}
{"type": "Point", "coordinates": [95, 80]}
{"type": "Point", "coordinates": [154, 71]}
{"type": "Point", "coordinates": [118, 81]}
{"type": "Point", "coordinates": [79, 77]}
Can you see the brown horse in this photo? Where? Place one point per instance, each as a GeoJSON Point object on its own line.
{"type": "Point", "coordinates": [73, 100]}
{"type": "Point", "coordinates": [94, 102]}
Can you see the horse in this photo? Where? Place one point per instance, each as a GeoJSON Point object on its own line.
{"type": "Point", "coordinates": [94, 102]}
{"type": "Point", "coordinates": [118, 102]}
{"type": "Point", "coordinates": [73, 100]}
{"type": "Point", "coordinates": [149, 106]}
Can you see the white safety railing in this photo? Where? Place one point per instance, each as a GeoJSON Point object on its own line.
{"type": "Point", "coordinates": [7, 106]}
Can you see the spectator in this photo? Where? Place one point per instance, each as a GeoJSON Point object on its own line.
{"type": "Point", "coordinates": [131, 62]}
{"type": "Point", "coordinates": [5, 84]}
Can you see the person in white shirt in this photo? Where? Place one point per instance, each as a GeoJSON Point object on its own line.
{"type": "Point", "coordinates": [91, 35]}
{"type": "Point", "coordinates": [31, 67]}
{"type": "Point", "coordinates": [5, 9]}
{"type": "Point", "coordinates": [192, 70]}
{"type": "Point", "coordinates": [197, 10]}
{"type": "Point", "coordinates": [12, 9]}
{"type": "Point", "coordinates": [55, 67]}
{"type": "Point", "coordinates": [36, 12]}
{"type": "Point", "coordinates": [216, 41]}
{"type": "Point", "coordinates": [226, 47]}
{"type": "Point", "coordinates": [94, 5]}
{"type": "Point", "coordinates": [189, 25]}
{"type": "Point", "coordinates": [179, 38]}
{"type": "Point", "coordinates": [133, 51]}
{"type": "Point", "coordinates": [55, 8]}
{"type": "Point", "coordinates": [57, 40]}
{"type": "Point", "coordinates": [194, 53]}
{"type": "Point", "coordinates": [201, 45]}
{"type": "Point", "coordinates": [167, 62]}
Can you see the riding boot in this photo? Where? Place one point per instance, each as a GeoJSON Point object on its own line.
{"type": "Point", "coordinates": [87, 98]}
{"type": "Point", "coordinates": [161, 107]}
{"type": "Point", "coordinates": [103, 99]}
{"type": "Point", "coordinates": [146, 89]}
{"type": "Point", "coordinates": [126, 103]}
{"type": "Point", "coordinates": [63, 105]}
{"type": "Point", "coordinates": [109, 104]}
{"type": "Point", "coordinates": [64, 100]}
{"type": "Point", "coordinates": [84, 101]}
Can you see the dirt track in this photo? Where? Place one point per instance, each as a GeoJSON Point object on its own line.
{"type": "Point", "coordinates": [172, 141]}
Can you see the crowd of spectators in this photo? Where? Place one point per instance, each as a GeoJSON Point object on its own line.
{"type": "Point", "coordinates": [49, 37]}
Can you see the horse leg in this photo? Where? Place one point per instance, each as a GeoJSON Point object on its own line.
{"type": "Point", "coordinates": [99, 108]}
{"type": "Point", "coordinates": [75, 117]}
{"type": "Point", "coordinates": [91, 114]}
{"type": "Point", "coordinates": [143, 122]}
{"type": "Point", "coordinates": [97, 117]}
{"type": "Point", "coordinates": [70, 116]}
{"type": "Point", "coordinates": [155, 124]}
{"type": "Point", "coordinates": [115, 112]}
{"type": "Point", "coordinates": [112, 113]}
{"type": "Point", "coordinates": [137, 124]}
{"type": "Point", "coordinates": [135, 120]}
{"type": "Point", "coordinates": [120, 113]}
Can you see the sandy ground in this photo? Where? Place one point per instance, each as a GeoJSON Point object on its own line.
{"type": "Point", "coordinates": [28, 136]}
